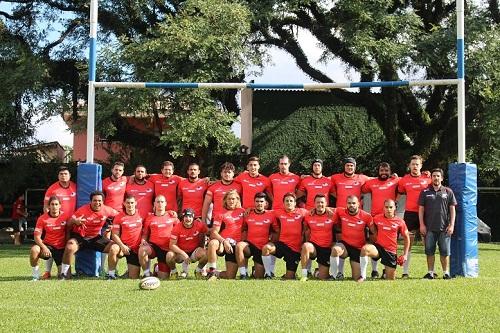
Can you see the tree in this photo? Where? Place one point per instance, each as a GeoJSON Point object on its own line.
{"type": "Point", "coordinates": [391, 40]}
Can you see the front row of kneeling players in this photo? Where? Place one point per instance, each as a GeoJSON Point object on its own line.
{"type": "Point", "coordinates": [291, 233]}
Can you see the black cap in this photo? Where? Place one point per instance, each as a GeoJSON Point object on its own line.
{"type": "Point", "coordinates": [349, 160]}
{"type": "Point", "coordinates": [317, 160]}
{"type": "Point", "coordinates": [188, 212]}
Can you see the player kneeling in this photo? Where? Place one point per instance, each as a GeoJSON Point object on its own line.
{"type": "Point", "coordinates": [388, 225]}
{"type": "Point", "coordinates": [126, 233]}
{"type": "Point", "coordinates": [223, 243]}
{"type": "Point", "coordinates": [318, 232]}
{"type": "Point", "coordinates": [186, 245]}
{"type": "Point", "coordinates": [53, 226]}
{"type": "Point", "coordinates": [256, 231]}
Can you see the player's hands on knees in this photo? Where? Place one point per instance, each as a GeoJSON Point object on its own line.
{"type": "Point", "coordinates": [46, 252]}
{"type": "Point", "coordinates": [227, 246]}
{"type": "Point", "coordinates": [423, 230]}
{"type": "Point", "coordinates": [186, 259]}
{"type": "Point", "coordinates": [125, 250]}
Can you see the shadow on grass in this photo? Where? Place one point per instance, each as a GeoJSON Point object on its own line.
{"type": "Point", "coordinates": [14, 278]}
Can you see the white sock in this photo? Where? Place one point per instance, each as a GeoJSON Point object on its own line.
{"type": "Point", "coordinates": [212, 265]}
{"type": "Point", "coordinates": [147, 272]}
{"type": "Point", "coordinates": [64, 269]}
{"type": "Point", "coordinates": [363, 263]}
{"type": "Point", "coordinates": [304, 272]}
{"type": "Point", "coordinates": [35, 272]}
{"type": "Point", "coordinates": [185, 267]}
{"type": "Point", "coordinates": [341, 265]}
{"type": "Point", "coordinates": [267, 261]}
{"type": "Point", "coordinates": [243, 271]}
{"type": "Point", "coordinates": [309, 265]}
{"type": "Point", "coordinates": [111, 272]}
{"type": "Point", "coordinates": [406, 265]}
{"type": "Point", "coordinates": [446, 272]}
{"type": "Point", "coordinates": [374, 265]}
{"type": "Point", "coordinates": [334, 266]}
{"type": "Point", "coordinates": [273, 264]}
{"type": "Point", "coordinates": [48, 264]}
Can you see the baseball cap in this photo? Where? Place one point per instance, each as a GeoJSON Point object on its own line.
{"type": "Point", "coordinates": [188, 212]}
{"type": "Point", "coordinates": [350, 160]}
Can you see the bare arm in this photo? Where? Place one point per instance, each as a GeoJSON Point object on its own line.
{"type": "Point", "coordinates": [423, 229]}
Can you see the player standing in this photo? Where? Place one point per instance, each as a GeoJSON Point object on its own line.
{"type": "Point", "coordinates": [411, 185]}
{"type": "Point", "coordinates": [166, 184]}
{"type": "Point", "coordinates": [64, 189]}
{"type": "Point", "coordinates": [142, 190]}
{"type": "Point", "coordinates": [114, 187]}
{"type": "Point", "coordinates": [313, 184]}
{"type": "Point", "coordinates": [252, 182]}
{"type": "Point", "coordinates": [385, 247]}
{"type": "Point", "coordinates": [192, 190]}
{"type": "Point", "coordinates": [283, 182]}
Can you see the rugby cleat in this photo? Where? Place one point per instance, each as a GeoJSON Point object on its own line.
{"type": "Point", "coordinates": [45, 276]}
{"type": "Point", "coordinates": [268, 277]}
{"type": "Point", "coordinates": [340, 276]}
{"type": "Point", "coordinates": [429, 276]}
{"type": "Point", "coordinates": [375, 274]}
{"type": "Point", "coordinates": [360, 279]}
{"type": "Point", "coordinates": [110, 277]}
{"type": "Point", "coordinates": [183, 275]}
{"type": "Point", "coordinates": [405, 276]}
{"type": "Point", "coordinates": [446, 276]}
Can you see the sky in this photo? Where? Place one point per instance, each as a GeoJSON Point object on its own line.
{"type": "Point", "coordinates": [281, 69]}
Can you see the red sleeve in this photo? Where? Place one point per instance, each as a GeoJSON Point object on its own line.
{"type": "Point", "coordinates": [401, 188]}
{"type": "Point", "coordinates": [203, 228]}
{"type": "Point", "coordinates": [40, 224]}
{"type": "Point", "coordinates": [366, 188]}
{"type": "Point", "coordinates": [175, 232]}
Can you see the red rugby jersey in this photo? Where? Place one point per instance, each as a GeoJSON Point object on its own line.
{"type": "Point", "coordinates": [343, 186]}
{"type": "Point", "coordinates": [167, 187]}
{"type": "Point", "coordinates": [251, 186]}
{"type": "Point", "coordinates": [54, 229]}
{"type": "Point", "coordinates": [387, 231]}
{"type": "Point", "coordinates": [67, 195]}
{"type": "Point", "coordinates": [313, 186]}
{"type": "Point", "coordinates": [129, 229]}
{"type": "Point", "coordinates": [281, 185]}
{"type": "Point", "coordinates": [144, 196]}
{"type": "Point", "coordinates": [231, 223]}
{"type": "Point", "coordinates": [381, 190]}
{"type": "Point", "coordinates": [115, 192]}
{"type": "Point", "coordinates": [259, 227]}
{"type": "Point", "coordinates": [94, 221]}
{"type": "Point", "coordinates": [188, 239]}
{"type": "Point", "coordinates": [290, 224]}
{"type": "Point", "coordinates": [412, 186]}
{"type": "Point", "coordinates": [353, 226]}
{"type": "Point", "coordinates": [193, 194]}
{"type": "Point", "coordinates": [321, 227]}
{"type": "Point", "coordinates": [218, 190]}
{"type": "Point", "coordinates": [157, 229]}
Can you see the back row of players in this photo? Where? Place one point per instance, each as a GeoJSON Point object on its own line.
{"type": "Point", "coordinates": [143, 210]}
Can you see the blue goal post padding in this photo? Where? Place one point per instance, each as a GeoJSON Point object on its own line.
{"type": "Point", "coordinates": [89, 179]}
{"type": "Point", "coordinates": [464, 247]}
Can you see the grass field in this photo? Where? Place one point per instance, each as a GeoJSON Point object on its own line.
{"type": "Point", "coordinates": [458, 305]}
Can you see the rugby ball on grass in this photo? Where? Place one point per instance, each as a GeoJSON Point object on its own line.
{"type": "Point", "coordinates": [149, 283]}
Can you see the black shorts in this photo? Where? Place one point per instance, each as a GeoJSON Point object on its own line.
{"type": "Point", "coordinates": [98, 243]}
{"type": "Point", "coordinates": [57, 255]}
{"type": "Point", "coordinates": [411, 220]}
{"type": "Point", "coordinates": [159, 253]}
{"type": "Point", "coordinates": [352, 252]}
{"type": "Point", "coordinates": [133, 258]}
{"type": "Point", "coordinates": [322, 254]}
{"type": "Point", "coordinates": [291, 257]}
{"type": "Point", "coordinates": [255, 253]}
{"type": "Point", "coordinates": [386, 258]}
{"type": "Point", "coordinates": [231, 257]}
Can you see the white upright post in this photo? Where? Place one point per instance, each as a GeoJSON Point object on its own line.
{"type": "Point", "coordinates": [461, 81]}
{"type": "Point", "coordinates": [92, 72]}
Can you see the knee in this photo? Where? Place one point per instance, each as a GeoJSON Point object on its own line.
{"type": "Point", "coordinates": [307, 247]}
{"type": "Point", "coordinates": [267, 249]}
{"type": "Point", "coordinates": [170, 256]}
{"type": "Point", "coordinates": [35, 250]}
{"type": "Point", "coordinates": [114, 249]}
{"type": "Point", "coordinates": [213, 244]}
{"type": "Point", "coordinates": [336, 251]}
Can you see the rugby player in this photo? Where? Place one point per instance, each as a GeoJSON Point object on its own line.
{"type": "Point", "coordinates": [283, 182]}
{"type": "Point", "coordinates": [411, 185]}
{"type": "Point", "coordinates": [186, 245]}
{"type": "Point", "coordinates": [191, 191]}
{"type": "Point", "coordinates": [52, 226]}
{"type": "Point", "coordinates": [114, 187]}
{"type": "Point", "coordinates": [215, 192]}
{"type": "Point", "coordinates": [225, 234]}
{"type": "Point", "coordinates": [313, 184]}
{"type": "Point", "coordinates": [257, 228]}
{"type": "Point", "coordinates": [85, 232]}
{"type": "Point", "coordinates": [252, 182]}
{"type": "Point", "coordinates": [167, 184]}
{"type": "Point", "coordinates": [126, 233]}
{"type": "Point", "coordinates": [156, 234]}
{"type": "Point", "coordinates": [143, 191]}
{"type": "Point", "coordinates": [353, 222]}
{"type": "Point", "coordinates": [381, 188]}
{"type": "Point", "coordinates": [385, 247]}
{"type": "Point", "coordinates": [64, 189]}
{"type": "Point", "coordinates": [289, 243]}
{"type": "Point", "coordinates": [318, 232]}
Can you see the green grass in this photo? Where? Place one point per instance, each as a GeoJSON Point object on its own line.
{"type": "Point", "coordinates": [458, 305]}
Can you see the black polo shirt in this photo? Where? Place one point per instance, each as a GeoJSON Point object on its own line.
{"type": "Point", "coordinates": [437, 207]}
